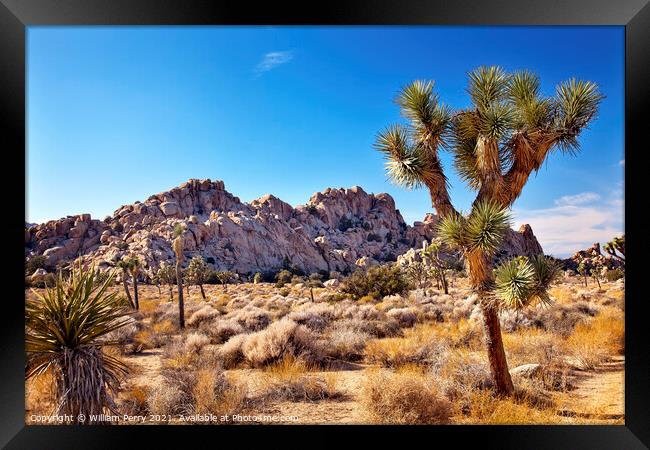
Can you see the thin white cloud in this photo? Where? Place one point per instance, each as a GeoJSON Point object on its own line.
{"type": "Point", "coordinates": [568, 227]}
{"type": "Point", "coordinates": [578, 199]}
{"type": "Point", "coordinates": [272, 60]}
{"type": "Point", "coordinates": [621, 163]}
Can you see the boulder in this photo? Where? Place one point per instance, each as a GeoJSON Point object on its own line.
{"type": "Point", "coordinates": [170, 208]}
{"type": "Point", "coordinates": [527, 370]}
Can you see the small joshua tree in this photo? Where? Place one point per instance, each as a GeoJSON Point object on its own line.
{"type": "Point", "coordinates": [596, 271]}
{"type": "Point", "coordinates": [507, 134]}
{"type": "Point", "coordinates": [66, 329]}
{"type": "Point", "coordinates": [582, 270]}
{"type": "Point", "coordinates": [225, 277]}
{"type": "Point", "coordinates": [177, 245]}
{"type": "Point", "coordinates": [197, 272]}
{"type": "Point", "coordinates": [167, 275]}
{"type": "Point", "coordinates": [125, 265]}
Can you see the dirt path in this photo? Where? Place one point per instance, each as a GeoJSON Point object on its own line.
{"type": "Point", "coordinates": [599, 395]}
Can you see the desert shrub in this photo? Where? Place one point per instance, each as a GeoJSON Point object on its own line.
{"type": "Point", "coordinates": [377, 282]}
{"type": "Point", "coordinates": [284, 292]}
{"type": "Point", "coordinates": [206, 313]}
{"type": "Point", "coordinates": [283, 277]}
{"type": "Point", "coordinates": [593, 341]}
{"type": "Point", "coordinates": [252, 318]}
{"type": "Point", "coordinates": [297, 279]}
{"type": "Point", "coordinates": [135, 401]}
{"type": "Point", "coordinates": [403, 398]}
{"type": "Point", "coordinates": [46, 281]}
{"type": "Point", "coordinates": [34, 263]}
{"type": "Point", "coordinates": [231, 353]}
{"type": "Point", "coordinates": [221, 330]}
{"type": "Point", "coordinates": [313, 316]}
{"type": "Point", "coordinates": [289, 380]}
{"type": "Point", "coordinates": [280, 339]}
{"type": "Point", "coordinates": [346, 344]}
{"type": "Point", "coordinates": [459, 373]}
{"type": "Point", "coordinates": [195, 391]}
{"type": "Point", "coordinates": [374, 328]}
{"type": "Point", "coordinates": [406, 317]}
{"type": "Point", "coordinates": [400, 351]}
{"type": "Point", "coordinates": [614, 274]}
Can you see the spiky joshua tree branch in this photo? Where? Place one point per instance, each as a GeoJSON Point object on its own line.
{"type": "Point", "coordinates": [507, 134]}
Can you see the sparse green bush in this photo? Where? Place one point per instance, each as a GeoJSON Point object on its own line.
{"type": "Point", "coordinates": [34, 263]}
{"type": "Point", "coordinates": [614, 274]}
{"type": "Point", "coordinates": [377, 282]}
{"type": "Point", "coordinates": [282, 277]}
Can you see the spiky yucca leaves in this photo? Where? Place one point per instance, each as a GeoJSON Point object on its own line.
{"type": "Point", "coordinates": [482, 230]}
{"type": "Point", "coordinates": [523, 281]}
{"type": "Point", "coordinates": [65, 332]}
{"type": "Point", "coordinates": [577, 103]}
{"type": "Point", "coordinates": [429, 119]}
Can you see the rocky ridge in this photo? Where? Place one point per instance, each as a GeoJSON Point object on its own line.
{"type": "Point", "coordinates": [336, 230]}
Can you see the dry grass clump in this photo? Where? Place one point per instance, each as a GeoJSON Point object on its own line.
{"type": "Point", "coordinates": [406, 317]}
{"type": "Point", "coordinates": [231, 353]}
{"type": "Point", "coordinates": [196, 391]}
{"type": "Point", "coordinates": [485, 408]}
{"type": "Point", "coordinates": [406, 397]}
{"type": "Point", "coordinates": [314, 316]}
{"type": "Point", "coordinates": [415, 347]}
{"type": "Point", "coordinates": [280, 339]}
{"type": "Point", "coordinates": [461, 372]}
{"type": "Point", "coordinates": [221, 330]}
{"type": "Point", "coordinates": [362, 312]}
{"type": "Point", "coordinates": [344, 343]}
{"type": "Point", "coordinates": [187, 350]}
{"type": "Point", "coordinates": [251, 318]}
{"type": "Point", "coordinates": [40, 395]}
{"type": "Point", "coordinates": [125, 335]}
{"type": "Point", "coordinates": [374, 328]}
{"type": "Point", "coordinates": [593, 341]}
{"type": "Point", "coordinates": [135, 401]}
{"type": "Point", "coordinates": [289, 380]}
{"type": "Point", "coordinates": [532, 346]}
{"type": "Point", "coordinates": [205, 314]}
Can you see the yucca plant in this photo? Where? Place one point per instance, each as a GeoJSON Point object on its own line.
{"type": "Point", "coordinates": [66, 330]}
{"type": "Point", "coordinates": [507, 134]}
{"type": "Point", "coordinates": [177, 245]}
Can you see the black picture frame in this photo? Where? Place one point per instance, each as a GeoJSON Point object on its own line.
{"type": "Point", "coordinates": [16, 15]}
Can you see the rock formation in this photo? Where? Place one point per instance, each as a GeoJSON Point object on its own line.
{"type": "Point", "coordinates": [336, 230]}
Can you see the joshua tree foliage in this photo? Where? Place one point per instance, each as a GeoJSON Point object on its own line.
{"type": "Point", "coordinates": [507, 134]}
{"type": "Point", "coordinates": [616, 245]}
{"type": "Point", "coordinates": [66, 328]}
{"type": "Point", "coordinates": [225, 277]}
{"type": "Point", "coordinates": [167, 275]}
{"type": "Point", "coordinates": [177, 245]}
{"type": "Point", "coordinates": [197, 272]}
{"type": "Point", "coordinates": [583, 270]}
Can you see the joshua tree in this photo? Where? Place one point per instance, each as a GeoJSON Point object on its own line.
{"type": "Point", "coordinates": [66, 329]}
{"type": "Point", "coordinates": [177, 245]}
{"type": "Point", "coordinates": [432, 255]}
{"type": "Point", "coordinates": [197, 272]}
{"type": "Point", "coordinates": [224, 278]}
{"type": "Point", "coordinates": [506, 135]}
{"type": "Point", "coordinates": [125, 265]}
{"type": "Point", "coordinates": [582, 270]}
{"type": "Point", "coordinates": [134, 269]}
{"type": "Point", "coordinates": [596, 271]}
{"type": "Point", "coordinates": [167, 275]}
{"type": "Point", "coordinates": [616, 244]}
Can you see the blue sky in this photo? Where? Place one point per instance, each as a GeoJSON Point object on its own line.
{"type": "Point", "coordinates": [116, 114]}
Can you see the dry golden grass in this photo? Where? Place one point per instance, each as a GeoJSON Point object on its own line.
{"type": "Point", "coordinates": [484, 408]}
{"type": "Point", "coordinates": [593, 341]}
{"type": "Point", "coordinates": [403, 397]}
{"type": "Point", "coordinates": [39, 396]}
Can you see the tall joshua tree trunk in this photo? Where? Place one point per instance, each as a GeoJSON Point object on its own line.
{"type": "Point", "coordinates": [126, 288]}
{"type": "Point", "coordinates": [181, 305]}
{"type": "Point", "coordinates": [481, 280]}
{"type": "Point", "coordinates": [135, 292]}
{"type": "Point", "coordinates": [202, 291]}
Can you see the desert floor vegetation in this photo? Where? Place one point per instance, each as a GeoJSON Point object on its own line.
{"type": "Point", "coordinates": [253, 355]}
